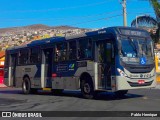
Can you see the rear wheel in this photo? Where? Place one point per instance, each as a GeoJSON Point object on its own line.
{"type": "Point", "coordinates": [121, 93]}
{"type": "Point", "coordinates": [26, 86]}
{"type": "Point", "coordinates": [87, 89]}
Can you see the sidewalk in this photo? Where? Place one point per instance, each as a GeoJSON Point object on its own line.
{"type": "Point", "coordinates": [2, 85]}
{"type": "Point", "coordinates": [157, 86]}
{"type": "Point", "coordinates": [158, 81]}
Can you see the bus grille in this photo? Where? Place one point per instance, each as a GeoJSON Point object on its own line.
{"type": "Point", "coordinates": [139, 85]}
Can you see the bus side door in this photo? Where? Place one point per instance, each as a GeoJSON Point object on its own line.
{"type": "Point", "coordinates": [104, 53]}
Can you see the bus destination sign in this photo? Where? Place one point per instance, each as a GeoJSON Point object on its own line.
{"type": "Point", "coordinates": [133, 32]}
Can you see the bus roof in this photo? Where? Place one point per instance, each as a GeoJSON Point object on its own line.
{"type": "Point", "coordinates": [129, 31]}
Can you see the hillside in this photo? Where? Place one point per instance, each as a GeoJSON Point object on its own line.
{"type": "Point", "coordinates": [17, 36]}
{"type": "Point", "coordinates": [34, 27]}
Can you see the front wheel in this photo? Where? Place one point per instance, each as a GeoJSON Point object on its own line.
{"type": "Point", "coordinates": [87, 89]}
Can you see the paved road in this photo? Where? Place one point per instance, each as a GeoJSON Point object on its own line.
{"type": "Point", "coordinates": [136, 100]}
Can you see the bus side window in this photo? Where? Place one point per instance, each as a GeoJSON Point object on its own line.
{"type": "Point", "coordinates": [61, 52]}
{"type": "Point", "coordinates": [23, 57]}
{"type": "Point", "coordinates": [88, 51]}
{"type": "Point", "coordinates": [109, 52]}
{"type": "Point", "coordinates": [101, 51]}
{"type": "Point", "coordinates": [72, 50]}
{"type": "Point", "coordinates": [85, 49]}
{"type": "Point", "coordinates": [34, 55]}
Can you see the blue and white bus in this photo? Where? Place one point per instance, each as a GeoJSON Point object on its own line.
{"type": "Point", "coordinates": [113, 59]}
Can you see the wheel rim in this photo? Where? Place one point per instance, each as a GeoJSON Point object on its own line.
{"type": "Point", "coordinates": [25, 86]}
{"type": "Point", "coordinates": [87, 88]}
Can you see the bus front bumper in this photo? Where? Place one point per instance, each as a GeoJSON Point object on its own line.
{"type": "Point", "coordinates": [124, 83]}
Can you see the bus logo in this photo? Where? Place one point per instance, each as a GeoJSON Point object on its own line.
{"type": "Point", "coordinates": [143, 61]}
{"type": "Point", "coordinates": [71, 66]}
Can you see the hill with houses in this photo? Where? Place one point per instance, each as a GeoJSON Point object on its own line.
{"type": "Point", "coordinates": [17, 36]}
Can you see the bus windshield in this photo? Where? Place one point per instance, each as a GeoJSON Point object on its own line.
{"type": "Point", "coordinates": [135, 48]}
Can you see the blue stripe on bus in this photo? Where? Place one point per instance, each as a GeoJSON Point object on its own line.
{"type": "Point", "coordinates": [38, 73]}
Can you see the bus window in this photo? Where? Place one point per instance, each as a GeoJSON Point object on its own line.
{"type": "Point", "coordinates": [35, 56]}
{"type": "Point", "coordinates": [101, 51]}
{"type": "Point", "coordinates": [109, 52]}
{"type": "Point", "coordinates": [72, 50]}
{"type": "Point", "coordinates": [105, 52]}
{"type": "Point", "coordinates": [61, 52]}
{"type": "Point", "coordinates": [85, 49]}
{"type": "Point", "coordinates": [23, 57]}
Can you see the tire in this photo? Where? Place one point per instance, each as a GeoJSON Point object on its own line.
{"type": "Point", "coordinates": [121, 93]}
{"type": "Point", "coordinates": [87, 89]}
{"type": "Point", "coordinates": [57, 91]}
{"type": "Point", "coordinates": [26, 86]}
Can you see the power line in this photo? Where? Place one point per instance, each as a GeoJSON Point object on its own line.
{"type": "Point", "coordinates": [106, 18]}
{"type": "Point", "coordinates": [64, 18]}
{"type": "Point", "coordinates": [109, 17]}
{"type": "Point", "coordinates": [140, 12]}
{"type": "Point", "coordinates": [97, 19]}
{"type": "Point", "coordinates": [72, 17]}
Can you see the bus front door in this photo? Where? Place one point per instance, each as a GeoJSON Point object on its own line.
{"type": "Point", "coordinates": [104, 64]}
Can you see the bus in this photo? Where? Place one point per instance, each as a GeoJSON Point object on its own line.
{"type": "Point", "coordinates": [114, 59]}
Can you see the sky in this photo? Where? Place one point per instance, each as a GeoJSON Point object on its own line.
{"type": "Point", "coordinates": [77, 13]}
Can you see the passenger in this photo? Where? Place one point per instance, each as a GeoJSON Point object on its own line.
{"type": "Point", "coordinates": [57, 54]}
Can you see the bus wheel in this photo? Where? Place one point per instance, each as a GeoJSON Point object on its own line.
{"type": "Point", "coordinates": [121, 93]}
{"type": "Point", "coordinates": [57, 91]}
{"type": "Point", "coordinates": [26, 86]}
{"type": "Point", "coordinates": [87, 89]}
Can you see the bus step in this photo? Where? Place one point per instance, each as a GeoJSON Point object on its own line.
{"type": "Point", "coordinates": [47, 89]}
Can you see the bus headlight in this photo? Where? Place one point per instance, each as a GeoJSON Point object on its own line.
{"type": "Point", "coordinates": [121, 72]}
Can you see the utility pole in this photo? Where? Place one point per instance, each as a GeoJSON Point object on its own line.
{"type": "Point", "coordinates": [124, 12]}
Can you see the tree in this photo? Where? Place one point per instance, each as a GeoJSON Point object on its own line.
{"type": "Point", "coordinates": [156, 7]}
{"type": "Point", "coordinates": [145, 21]}
{"type": "Point", "coordinates": [149, 23]}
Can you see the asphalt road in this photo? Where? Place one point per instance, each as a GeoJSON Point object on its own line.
{"type": "Point", "coordinates": [12, 99]}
